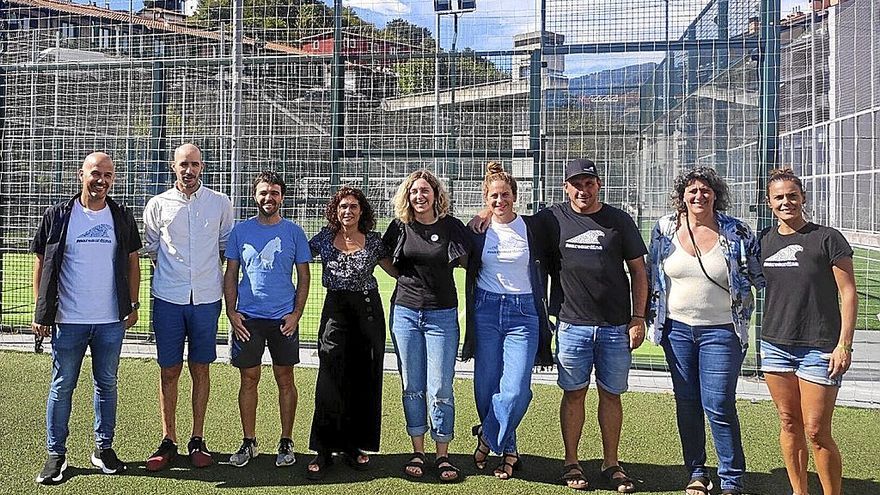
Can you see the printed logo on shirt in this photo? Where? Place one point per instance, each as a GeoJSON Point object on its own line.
{"type": "Point", "coordinates": [507, 246]}
{"type": "Point", "coordinates": [98, 234]}
{"type": "Point", "coordinates": [587, 240]}
{"type": "Point", "coordinates": [265, 258]}
{"type": "Point", "coordinates": [786, 256]}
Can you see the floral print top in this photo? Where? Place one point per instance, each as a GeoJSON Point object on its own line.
{"type": "Point", "coordinates": [348, 271]}
{"type": "Point", "coordinates": [742, 253]}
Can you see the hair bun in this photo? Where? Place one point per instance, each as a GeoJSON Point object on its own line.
{"type": "Point", "coordinates": [494, 168]}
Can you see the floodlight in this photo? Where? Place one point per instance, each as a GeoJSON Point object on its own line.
{"type": "Point", "coordinates": [443, 5]}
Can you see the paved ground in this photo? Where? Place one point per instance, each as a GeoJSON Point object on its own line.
{"type": "Point", "coordinates": [861, 386]}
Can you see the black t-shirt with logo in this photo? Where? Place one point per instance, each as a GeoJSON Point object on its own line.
{"type": "Point", "coordinates": [801, 299]}
{"type": "Point", "coordinates": [426, 280]}
{"type": "Point", "coordinates": [590, 250]}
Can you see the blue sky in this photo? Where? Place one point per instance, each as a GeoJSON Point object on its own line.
{"type": "Point", "coordinates": [496, 22]}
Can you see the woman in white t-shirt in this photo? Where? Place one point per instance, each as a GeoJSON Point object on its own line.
{"type": "Point", "coordinates": [703, 265]}
{"type": "Point", "coordinates": [507, 331]}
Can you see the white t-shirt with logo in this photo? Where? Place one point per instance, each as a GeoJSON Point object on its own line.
{"type": "Point", "coordinates": [505, 259]}
{"type": "Point", "coordinates": [87, 286]}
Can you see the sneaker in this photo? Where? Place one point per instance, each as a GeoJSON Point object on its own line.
{"type": "Point", "coordinates": [246, 452]}
{"type": "Point", "coordinates": [198, 452]}
{"type": "Point", "coordinates": [285, 455]}
{"type": "Point", "coordinates": [163, 456]}
{"type": "Point", "coordinates": [106, 460]}
{"type": "Point", "coordinates": [53, 470]}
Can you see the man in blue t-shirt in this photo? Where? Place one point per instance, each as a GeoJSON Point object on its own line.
{"type": "Point", "coordinates": [264, 308]}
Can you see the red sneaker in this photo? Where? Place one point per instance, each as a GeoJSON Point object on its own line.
{"type": "Point", "coordinates": [198, 452]}
{"type": "Point", "coordinates": [163, 456]}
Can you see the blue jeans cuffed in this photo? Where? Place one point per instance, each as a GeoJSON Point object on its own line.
{"type": "Point", "coordinates": [426, 343]}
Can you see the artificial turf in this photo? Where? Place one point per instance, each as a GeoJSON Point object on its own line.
{"type": "Point", "coordinates": [649, 449]}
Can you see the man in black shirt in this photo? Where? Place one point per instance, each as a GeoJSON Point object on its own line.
{"type": "Point", "coordinates": [600, 311]}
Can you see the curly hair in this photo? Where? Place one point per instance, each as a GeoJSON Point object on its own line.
{"type": "Point", "coordinates": [402, 208]}
{"type": "Point", "coordinates": [495, 171]}
{"type": "Point", "coordinates": [367, 221]}
{"type": "Point", "coordinates": [707, 175]}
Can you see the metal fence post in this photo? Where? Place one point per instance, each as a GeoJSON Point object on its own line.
{"type": "Point", "coordinates": [235, 117]}
{"type": "Point", "coordinates": [337, 96]}
{"type": "Point", "coordinates": [768, 132]}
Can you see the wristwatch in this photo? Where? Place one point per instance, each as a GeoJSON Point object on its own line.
{"type": "Point", "coordinates": [136, 306]}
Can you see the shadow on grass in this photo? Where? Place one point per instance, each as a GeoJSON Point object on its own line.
{"type": "Point", "coordinates": [262, 472]}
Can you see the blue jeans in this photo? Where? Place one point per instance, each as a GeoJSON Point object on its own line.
{"type": "Point", "coordinates": [69, 342]}
{"type": "Point", "coordinates": [705, 363]}
{"type": "Point", "coordinates": [506, 343]}
{"type": "Point", "coordinates": [426, 343]}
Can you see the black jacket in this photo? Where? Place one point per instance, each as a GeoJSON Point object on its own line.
{"type": "Point", "coordinates": [49, 242]}
{"type": "Point", "coordinates": [538, 266]}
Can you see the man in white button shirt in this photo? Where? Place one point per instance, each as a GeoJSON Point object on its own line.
{"type": "Point", "coordinates": [185, 233]}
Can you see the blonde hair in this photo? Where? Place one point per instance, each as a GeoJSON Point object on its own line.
{"type": "Point", "coordinates": [495, 171]}
{"type": "Point", "coordinates": [402, 208]}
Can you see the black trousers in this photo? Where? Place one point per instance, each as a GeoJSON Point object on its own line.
{"type": "Point", "coordinates": [348, 392]}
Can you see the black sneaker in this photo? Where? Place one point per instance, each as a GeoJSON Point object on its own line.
{"type": "Point", "coordinates": [198, 452]}
{"type": "Point", "coordinates": [106, 460]}
{"type": "Point", "coordinates": [163, 456]}
{"type": "Point", "coordinates": [53, 470]}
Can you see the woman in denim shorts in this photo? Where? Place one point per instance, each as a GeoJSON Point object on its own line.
{"type": "Point", "coordinates": [426, 243]}
{"type": "Point", "coordinates": [507, 332]}
{"type": "Point", "coordinates": [807, 331]}
{"type": "Point", "coordinates": [703, 265]}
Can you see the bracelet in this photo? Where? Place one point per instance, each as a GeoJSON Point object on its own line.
{"type": "Point", "coordinates": [846, 348]}
{"type": "Point", "coordinates": [641, 317]}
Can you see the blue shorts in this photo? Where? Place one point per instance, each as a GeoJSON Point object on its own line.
{"type": "Point", "coordinates": [175, 323]}
{"type": "Point", "coordinates": [580, 347]}
{"type": "Point", "coordinates": [808, 363]}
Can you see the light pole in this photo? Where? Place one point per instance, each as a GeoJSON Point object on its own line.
{"type": "Point", "coordinates": [446, 7]}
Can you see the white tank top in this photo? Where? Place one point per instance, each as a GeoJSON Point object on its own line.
{"type": "Point", "coordinates": [692, 298]}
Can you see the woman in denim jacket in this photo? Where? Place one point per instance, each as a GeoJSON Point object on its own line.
{"type": "Point", "coordinates": [702, 266]}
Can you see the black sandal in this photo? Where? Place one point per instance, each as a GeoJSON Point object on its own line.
{"type": "Point", "coordinates": [323, 461]}
{"type": "Point", "coordinates": [502, 468]}
{"type": "Point", "coordinates": [448, 468]}
{"type": "Point", "coordinates": [351, 458]}
{"type": "Point", "coordinates": [574, 473]}
{"type": "Point", "coordinates": [477, 431]}
{"type": "Point", "coordinates": [413, 463]}
{"type": "Point", "coordinates": [701, 484]}
{"type": "Point", "coordinates": [622, 484]}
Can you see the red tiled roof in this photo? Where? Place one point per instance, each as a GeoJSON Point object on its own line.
{"type": "Point", "coordinates": [156, 25]}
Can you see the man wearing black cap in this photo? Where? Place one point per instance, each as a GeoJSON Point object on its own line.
{"type": "Point", "coordinates": [599, 310]}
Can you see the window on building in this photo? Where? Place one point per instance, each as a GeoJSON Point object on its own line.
{"type": "Point", "coordinates": [67, 29]}
{"type": "Point", "coordinates": [316, 45]}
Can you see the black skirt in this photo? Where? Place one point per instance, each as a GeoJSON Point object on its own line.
{"type": "Point", "coordinates": [348, 392]}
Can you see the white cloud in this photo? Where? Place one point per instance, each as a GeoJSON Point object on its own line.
{"type": "Point", "coordinates": [384, 7]}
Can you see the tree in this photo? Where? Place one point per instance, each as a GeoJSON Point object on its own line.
{"type": "Point", "coordinates": [406, 32]}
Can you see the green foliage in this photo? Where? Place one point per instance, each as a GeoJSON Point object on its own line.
{"type": "Point", "coordinates": [465, 69]}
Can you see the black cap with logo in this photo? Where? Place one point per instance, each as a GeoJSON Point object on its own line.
{"type": "Point", "coordinates": [580, 166]}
